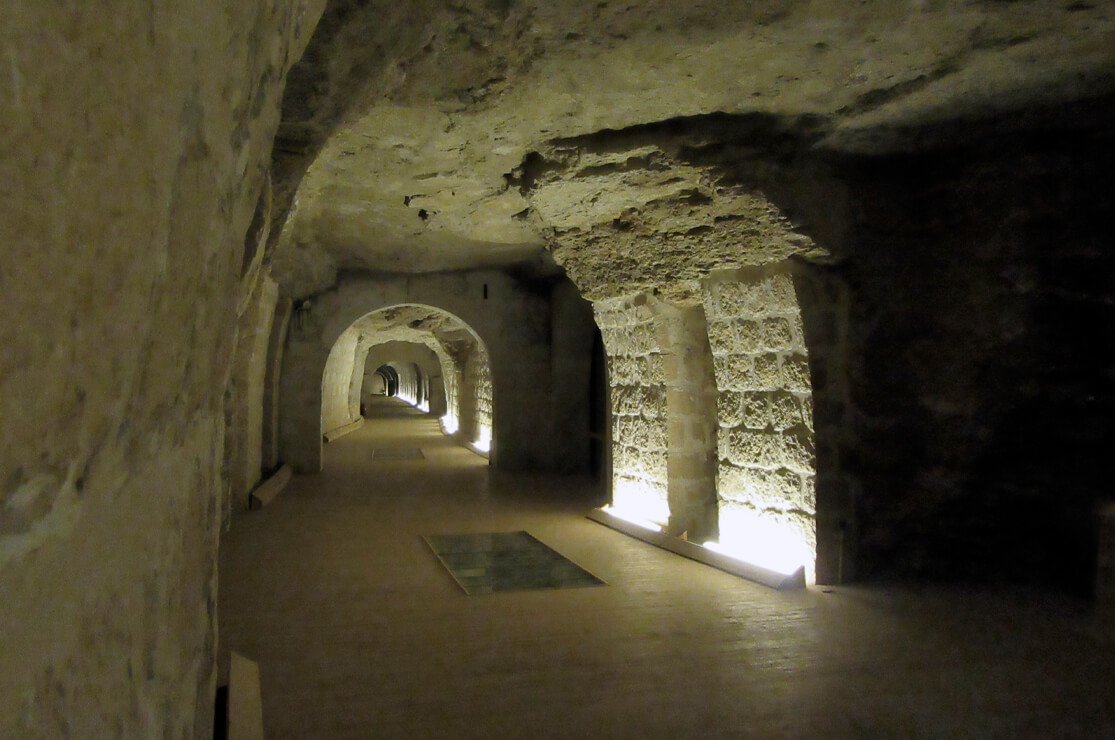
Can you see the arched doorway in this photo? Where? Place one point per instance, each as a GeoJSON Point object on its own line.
{"type": "Point", "coordinates": [390, 379]}
{"type": "Point", "coordinates": [399, 334]}
{"type": "Point", "coordinates": [514, 391]}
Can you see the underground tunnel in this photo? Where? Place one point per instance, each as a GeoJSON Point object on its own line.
{"type": "Point", "coordinates": [306, 298]}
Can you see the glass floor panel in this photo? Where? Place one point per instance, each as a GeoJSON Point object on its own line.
{"type": "Point", "coordinates": [397, 453]}
{"type": "Point", "coordinates": [506, 561]}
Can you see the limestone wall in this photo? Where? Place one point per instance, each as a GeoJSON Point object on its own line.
{"type": "Point", "coordinates": [269, 454]}
{"type": "Point", "coordinates": [410, 382]}
{"type": "Point", "coordinates": [766, 451]}
{"type": "Point", "coordinates": [978, 358]}
{"type": "Point", "coordinates": [451, 377]}
{"type": "Point", "coordinates": [572, 335]}
{"type": "Point", "coordinates": [135, 141]}
{"type": "Point", "coordinates": [638, 400]}
{"type": "Point", "coordinates": [245, 398]}
{"type": "Point", "coordinates": [690, 420]}
{"type": "Point", "coordinates": [337, 408]}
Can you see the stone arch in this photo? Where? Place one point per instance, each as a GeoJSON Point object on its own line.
{"type": "Point", "coordinates": [464, 358]}
{"type": "Point", "coordinates": [432, 362]}
{"type": "Point", "coordinates": [390, 379]}
{"type": "Point", "coordinates": [712, 416]}
{"type": "Point", "coordinates": [519, 364]}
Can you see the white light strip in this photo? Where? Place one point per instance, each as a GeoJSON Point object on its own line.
{"type": "Point", "coordinates": [449, 424]}
{"type": "Point", "coordinates": [483, 441]}
{"type": "Point", "coordinates": [651, 533]}
{"type": "Point", "coordinates": [638, 521]}
{"type": "Point", "coordinates": [778, 565]}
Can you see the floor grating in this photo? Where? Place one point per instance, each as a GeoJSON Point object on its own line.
{"type": "Point", "coordinates": [397, 453]}
{"type": "Point", "coordinates": [506, 561]}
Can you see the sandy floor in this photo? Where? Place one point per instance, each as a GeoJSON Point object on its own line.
{"type": "Point", "coordinates": [361, 633]}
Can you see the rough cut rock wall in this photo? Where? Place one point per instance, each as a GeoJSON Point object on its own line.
{"type": "Point", "coordinates": [374, 385]}
{"type": "Point", "coordinates": [245, 397]}
{"type": "Point", "coordinates": [337, 408]}
{"type": "Point", "coordinates": [475, 399]}
{"type": "Point", "coordinates": [765, 410]}
{"type": "Point", "coordinates": [572, 332]}
{"type": "Point", "coordinates": [276, 344]}
{"type": "Point", "coordinates": [133, 142]}
{"type": "Point", "coordinates": [982, 363]}
{"type": "Point", "coordinates": [638, 397]}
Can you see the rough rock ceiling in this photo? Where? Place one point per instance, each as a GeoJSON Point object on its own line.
{"type": "Point", "coordinates": [441, 332]}
{"type": "Point", "coordinates": [447, 135]}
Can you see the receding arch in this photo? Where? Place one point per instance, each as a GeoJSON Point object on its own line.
{"type": "Point", "coordinates": [390, 379]}
{"type": "Point", "coordinates": [463, 358]}
{"type": "Point", "coordinates": [429, 369]}
{"type": "Point", "coordinates": [512, 325]}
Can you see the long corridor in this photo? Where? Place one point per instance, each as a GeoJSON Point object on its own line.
{"type": "Point", "coordinates": [361, 633]}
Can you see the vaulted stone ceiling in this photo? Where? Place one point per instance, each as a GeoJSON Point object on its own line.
{"type": "Point", "coordinates": [638, 144]}
{"type": "Point", "coordinates": [419, 325]}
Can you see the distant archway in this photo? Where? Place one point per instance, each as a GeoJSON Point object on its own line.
{"type": "Point", "coordinates": [515, 403]}
{"type": "Point", "coordinates": [465, 370]}
{"type": "Point", "coordinates": [390, 380]}
{"type": "Point", "coordinates": [405, 358]}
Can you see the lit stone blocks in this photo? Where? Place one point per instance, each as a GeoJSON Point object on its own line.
{"type": "Point", "coordinates": [765, 447]}
{"type": "Point", "coordinates": [638, 398]}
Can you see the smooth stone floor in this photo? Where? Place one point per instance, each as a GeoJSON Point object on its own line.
{"type": "Point", "coordinates": [361, 633]}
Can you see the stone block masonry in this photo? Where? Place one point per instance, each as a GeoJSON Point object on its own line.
{"type": "Point", "coordinates": [476, 403]}
{"type": "Point", "coordinates": [483, 370]}
{"type": "Point", "coordinates": [691, 420]}
{"type": "Point", "coordinates": [640, 436]}
{"type": "Point", "coordinates": [764, 407]}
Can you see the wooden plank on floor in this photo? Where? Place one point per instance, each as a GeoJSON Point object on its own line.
{"type": "Point", "coordinates": [334, 434]}
{"type": "Point", "coordinates": [266, 492]}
